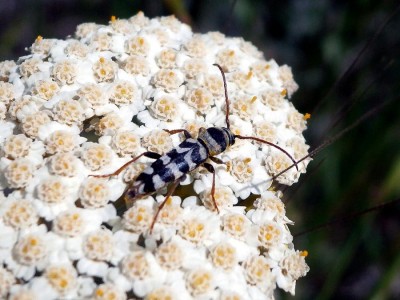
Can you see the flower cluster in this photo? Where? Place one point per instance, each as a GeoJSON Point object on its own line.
{"type": "Point", "coordinates": [88, 104]}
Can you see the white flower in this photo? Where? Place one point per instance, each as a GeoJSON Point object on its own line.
{"type": "Point", "coordinates": [73, 112]}
{"type": "Point", "coordinates": [30, 253]}
{"type": "Point", "coordinates": [291, 268]}
{"type": "Point", "coordinates": [139, 272]}
{"type": "Point", "coordinates": [71, 227]}
{"type": "Point", "coordinates": [36, 288]}
{"type": "Point", "coordinates": [8, 237]}
{"type": "Point", "coordinates": [6, 281]}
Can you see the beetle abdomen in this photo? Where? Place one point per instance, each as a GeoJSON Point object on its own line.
{"type": "Point", "coordinates": [186, 157]}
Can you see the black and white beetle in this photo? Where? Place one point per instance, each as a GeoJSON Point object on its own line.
{"type": "Point", "coordinates": [187, 156]}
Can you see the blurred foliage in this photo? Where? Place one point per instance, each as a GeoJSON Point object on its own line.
{"type": "Point", "coordinates": [319, 40]}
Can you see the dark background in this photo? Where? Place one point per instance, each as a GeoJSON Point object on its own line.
{"type": "Point", "coordinates": [357, 259]}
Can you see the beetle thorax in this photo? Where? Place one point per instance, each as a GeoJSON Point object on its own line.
{"type": "Point", "coordinates": [216, 139]}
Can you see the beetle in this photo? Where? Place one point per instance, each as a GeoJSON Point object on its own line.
{"type": "Point", "coordinates": [186, 157]}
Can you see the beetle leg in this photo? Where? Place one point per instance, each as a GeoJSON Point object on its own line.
{"type": "Point", "coordinates": [175, 131]}
{"type": "Point", "coordinates": [169, 193]}
{"type": "Point", "coordinates": [211, 169]}
{"type": "Point", "coordinates": [217, 160]}
{"type": "Point", "coordinates": [220, 162]}
{"type": "Point", "coordinates": [148, 154]}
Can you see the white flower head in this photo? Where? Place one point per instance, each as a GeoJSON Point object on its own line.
{"type": "Point", "coordinates": [107, 189]}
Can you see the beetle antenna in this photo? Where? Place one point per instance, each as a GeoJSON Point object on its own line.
{"type": "Point", "coordinates": [333, 139]}
{"type": "Point", "coordinates": [271, 144]}
{"type": "Point", "coordinates": [228, 125]}
{"type": "Point", "coordinates": [248, 137]}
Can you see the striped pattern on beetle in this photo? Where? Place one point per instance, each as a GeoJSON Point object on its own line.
{"type": "Point", "coordinates": [187, 156]}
